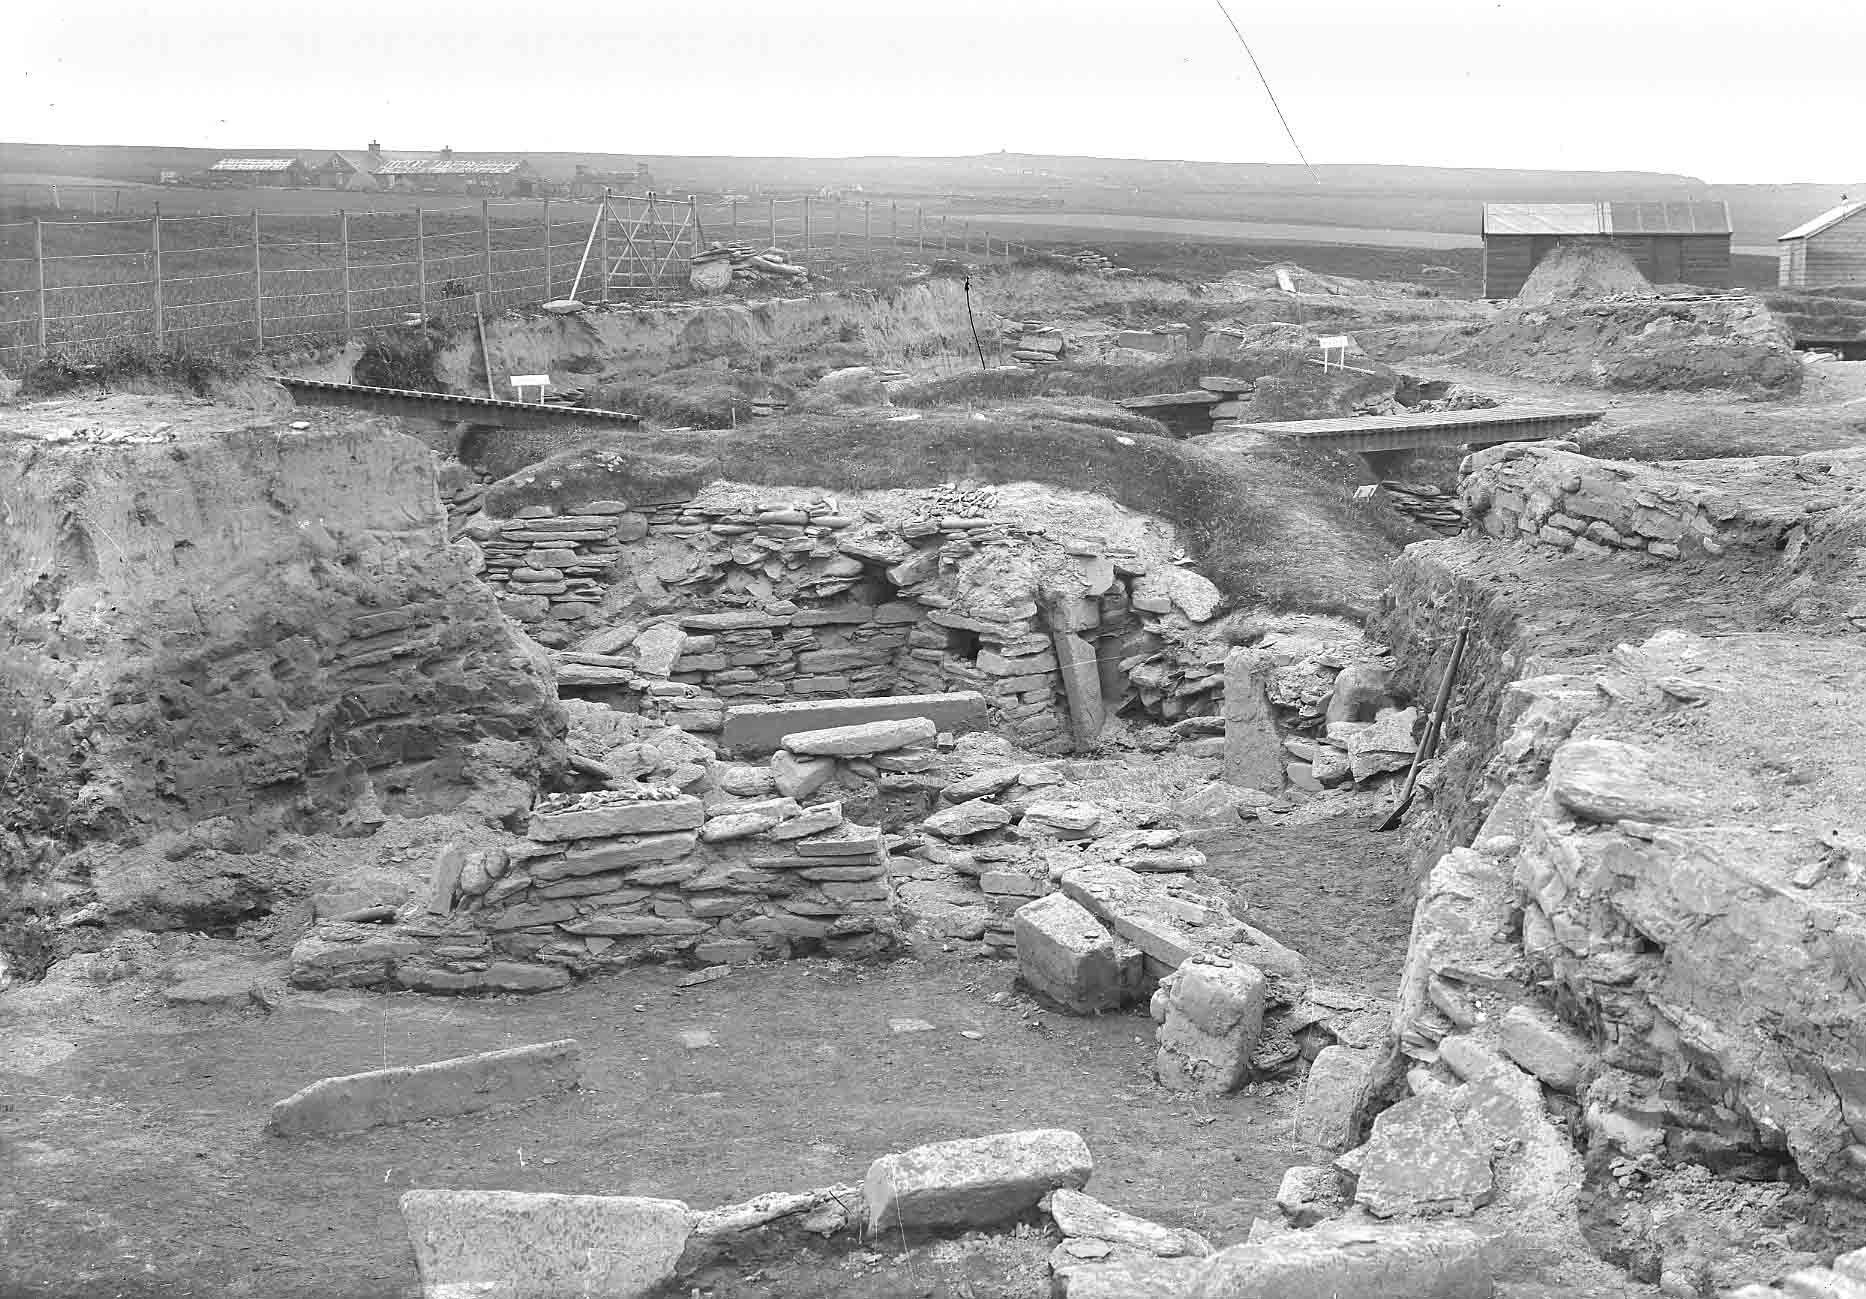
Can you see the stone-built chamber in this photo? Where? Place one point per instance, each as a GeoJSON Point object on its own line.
{"type": "Point", "coordinates": [741, 595]}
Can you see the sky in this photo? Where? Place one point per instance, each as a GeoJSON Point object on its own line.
{"type": "Point", "coordinates": [1728, 92]}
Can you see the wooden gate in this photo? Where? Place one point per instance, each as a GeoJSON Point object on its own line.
{"type": "Point", "coordinates": [638, 243]}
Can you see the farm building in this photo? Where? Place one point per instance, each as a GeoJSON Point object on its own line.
{"type": "Point", "coordinates": [336, 172]}
{"type": "Point", "coordinates": [282, 172]}
{"type": "Point", "coordinates": [1829, 250]}
{"type": "Point", "coordinates": [1684, 242]}
{"type": "Point", "coordinates": [446, 174]}
{"type": "Point", "coordinates": [589, 184]}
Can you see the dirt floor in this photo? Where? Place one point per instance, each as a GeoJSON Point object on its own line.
{"type": "Point", "coordinates": [139, 1164]}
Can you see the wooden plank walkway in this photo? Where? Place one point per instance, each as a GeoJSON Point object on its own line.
{"type": "Point", "coordinates": [1433, 428]}
{"type": "Point", "coordinates": [445, 406]}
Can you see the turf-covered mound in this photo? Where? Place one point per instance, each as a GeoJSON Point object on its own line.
{"type": "Point", "coordinates": [1263, 530]}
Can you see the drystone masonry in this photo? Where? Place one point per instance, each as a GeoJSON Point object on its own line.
{"type": "Point", "coordinates": [686, 608]}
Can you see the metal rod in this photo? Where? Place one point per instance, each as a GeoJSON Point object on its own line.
{"type": "Point", "coordinates": [421, 265]}
{"type": "Point", "coordinates": [771, 212]}
{"type": "Point", "coordinates": [485, 356]}
{"type": "Point", "coordinates": [602, 242]}
{"type": "Point", "coordinates": [547, 250]}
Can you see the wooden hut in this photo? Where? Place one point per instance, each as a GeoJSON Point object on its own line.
{"type": "Point", "coordinates": [1830, 250]}
{"type": "Point", "coordinates": [1685, 242]}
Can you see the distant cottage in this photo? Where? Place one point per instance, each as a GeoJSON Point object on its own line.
{"type": "Point", "coordinates": [446, 174]}
{"type": "Point", "coordinates": [1830, 250]}
{"type": "Point", "coordinates": [1684, 242]}
{"type": "Point", "coordinates": [279, 172]}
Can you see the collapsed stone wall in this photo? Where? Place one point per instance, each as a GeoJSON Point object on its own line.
{"type": "Point", "coordinates": [1548, 493]}
{"type": "Point", "coordinates": [250, 631]}
{"type": "Point", "coordinates": [744, 595]}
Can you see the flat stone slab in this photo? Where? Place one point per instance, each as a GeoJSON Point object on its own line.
{"type": "Point", "coordinates": [520, 1245]}
{"type": "Point", "coordinates": [862, 739]}
{"type": "Point", "coordinates": [1078, 1215]}
{"type": "Point", "coordinates": [1337, 1260]}
{"type": "Point", "coordinates": [1129, 1278]}
{"type": "Point", "coordinates": [1423, 1158]}
{"type": "Point", "coordinates": [761, 728]}
{"type": "Point", "coordinates": [635, 816]}
{"type": "Point", "coordinates": [1142, 911]}
{"type": "Point", "coordinates": [441, 1089]}
{"type": "Point", "coordinates": [976, 1182]}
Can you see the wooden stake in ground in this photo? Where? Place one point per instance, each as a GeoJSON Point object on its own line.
{"type": "Point", "coordinates": [1429, 743]}
{"type": "Point", "coordinates": [485, 356]}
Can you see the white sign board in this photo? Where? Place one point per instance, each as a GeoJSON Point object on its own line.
{"type": "Point", "coordinates": [524, 381]}
{"type": "Point", "coordinates": [1335, 350]}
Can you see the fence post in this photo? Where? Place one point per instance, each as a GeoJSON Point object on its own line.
{"type": "Point", "coordinates": [343, 242]}
{"type": "Point", "coordinates": [771, 214]}
{"type": "Point", "coordinates": [699, 230]}
{"type": "Point", "coordinates": [485, 243]}
{"type": "Point", "coordinates": [942, 232]}
{"type": "Point", "coordinates": [920, 228]}
{"type": "Point", "coordinates": [38, 276]}
{"type": "Point", "coordinates": [421, 265]}
{"type": "Point", "coordinates": [965, 228]}
{"type": "Point", "coordinates": [894, 224]}
{"type": "Point", "coordinates": [55, 203]}
{"type": "Point", "coordinates": [259, 287]}
{"type": "Point", "coordinates": [838, 238]}
{"type": "Point", "coordinates": [602, 244]}
{"type": "Point", "coordinates": [735, 220]}
{"type": "Point", "coordinates": [868, 231]}
{"type": "Point", "coordinates": [806, 227]}
{"type": "Point", "coordinates": [547, 250]}
{"type": "Point", "coordinates": [155, 259]}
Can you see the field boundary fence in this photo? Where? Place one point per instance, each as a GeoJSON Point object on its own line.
{"type": "Point", "coordinates": [259, 279]}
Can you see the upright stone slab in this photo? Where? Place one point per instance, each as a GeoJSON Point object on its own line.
{"type": "Point", "coordinates": [1064, 953]}
{"type": "Point", "coordinates": [1081, 675]}
{"type": "Point", "coordinates": [521, 1245]}
{"type": "Point", "coordinates": [439, 1090]}
{"type": "Point", "coordinates": [977, 1182]}
{"type": "Point", "coordinates": [1253, 752]}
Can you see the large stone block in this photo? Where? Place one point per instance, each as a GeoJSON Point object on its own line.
{"type": "Point", "coordinates": [760, 728]}
{"type": "Point", "coordinates": [1334, 1098]}
{"type": "Point", "coordinates": [596, 856]}
{"type": "Point", "coordinates": [1423, 1158]}
{"type": "Point", "coordinates": [521, 1245]}
{"type": "Point", "coordinates": [862, 739]}
{"type": "Point", "coordinates": [976, 1182]}
{"type": "Point", "coordinates": [1214, 1013]}
{"type": "Point", "coordinates": [1065, 954]}
{"type": "Point", "coordinates": [1336, 1261]}
{"type": "Point", "coordinates": [441, 1089]}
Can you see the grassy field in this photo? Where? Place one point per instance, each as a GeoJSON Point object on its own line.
{"type": "Point", "coordinates": [1065, 224]}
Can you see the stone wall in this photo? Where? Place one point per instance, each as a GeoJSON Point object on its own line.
{"type": "Point", "coordinates": [1549, 494]}
{"type": "Point", "coordinates": [745, 596]}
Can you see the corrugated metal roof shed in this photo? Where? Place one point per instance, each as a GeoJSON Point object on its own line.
{"type": "Point", "coordinates": [1832, 217]}
{"type": "Point", "coordinates": [447, 167]}
{"type": "Point", "coordinates": [1545, 219]}
{"type": "Point", "coordinates": [254, 164]}
{"type": "Point", "coordinates": [1692, 217]}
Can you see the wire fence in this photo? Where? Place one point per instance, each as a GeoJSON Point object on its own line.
{"type": "Point", "coordinates": [260, 279]}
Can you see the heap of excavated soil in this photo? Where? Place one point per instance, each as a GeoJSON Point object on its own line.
{"type": "Point", "coordinates": [1580, 271]}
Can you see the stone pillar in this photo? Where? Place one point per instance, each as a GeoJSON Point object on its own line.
{"type": "Point", "coordinates": [1253, 752]}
